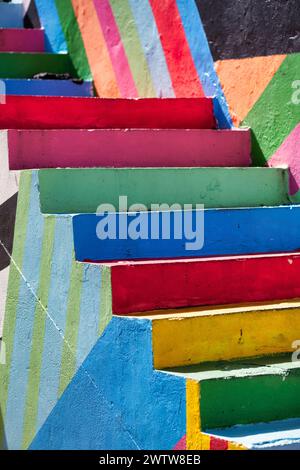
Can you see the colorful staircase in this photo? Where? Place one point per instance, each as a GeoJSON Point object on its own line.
{"type": "Point", "coordinates": [143, 344]}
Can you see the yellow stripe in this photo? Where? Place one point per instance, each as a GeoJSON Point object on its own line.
{"type": "Point", "coordinates": [224, 334]}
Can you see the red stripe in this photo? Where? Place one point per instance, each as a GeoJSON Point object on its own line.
{"type": "Point", "coordinates": [218, 444]}
{"type": "Point", "coordinates": [185, 79]}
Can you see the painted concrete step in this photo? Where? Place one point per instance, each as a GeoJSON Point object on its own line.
{"type": "Point", "coordinates": [105, 113]}
{"type": "Point", "coordinates": [191, 336]}
{"type": "Point", "coordinates": [139, 286]}
{"type": "Point", "coordinates": [22, 40]}
{"type": "Point", "coordinates": [275, 435]}
{"type": "Point", "coordinates": [15, 86]}
{"type": "Point", "coordinates": [69, 191]}
{"type": "Point", "coordinates": [11, 14]}
{"type": "Point", "coordinates": [245, 391]}
{"type": "Point", "coordinates": [125, 148]}
{"type": "Point", "coordinates": [26, 65]}
{"type": "Point", "coordinates": [225, 232]}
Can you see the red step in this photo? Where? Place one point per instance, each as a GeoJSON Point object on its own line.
{"type": "Point", "coordinates": [37, 112]}
{"type": "Point", "coordinates": [22, 40]}
{"type": "Point", "coordinates": [150, 285]}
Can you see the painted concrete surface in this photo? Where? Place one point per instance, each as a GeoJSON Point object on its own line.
{"type": "Point", "coordinates": [127, 148]}
{"type": "Point", "coordinates": [26, 65]}
{"type": "Point", "coordinates": [203, 281]}
{"type": "Point", "coordinates": [226, 232]}
{"type": "Point", "coordinates": [97, 113]}
{"type": "Point", "coordinates": [22, 40]}
{"type": "Point", "coordinates": [47, 88]}
{"type": "Point", "coordinates": [276, 435]}
{"type": "Point", "coordinates": [11, 15]}
{"type": "Point", "coordinates": [83, 190]}
{"type": "Point", "coordinates": [107, 414]}
{"type": "Point", "coordinates": [192, 336]}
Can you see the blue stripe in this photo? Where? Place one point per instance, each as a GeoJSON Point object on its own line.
{"type": "Point", "coordinates": [57, 308]}
{"type": "Point", "coordinates": [47, 87]}
{"type": "Point", "coordinates": [49, 18]}
{"type": "Point", "coordinates": [89, 311]}
{"type": "Point", "coordinates": [226, 232]}
{"type": "Point", "coordinates": [203, 59]}
{"type": "Point", "coordinates": [24, 322]}
{"type": "Point", "coordinates": [149, 37]}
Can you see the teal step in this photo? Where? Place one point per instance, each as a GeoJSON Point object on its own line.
{"type": "Point", "coordinates": [67, 191]}
{"type": "Point", "coordinates": [246, 391]}
{"type": "Point", "coordinates": [26, 65]}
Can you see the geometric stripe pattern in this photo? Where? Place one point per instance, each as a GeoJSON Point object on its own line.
{"type": "Point", "coordinates": [51, 323]}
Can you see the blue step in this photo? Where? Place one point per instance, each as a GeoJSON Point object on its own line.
{"type": "Point", "coordinates": [226, 232]}
{"type": "Point", "coordinates": [11, 14]}
{"type": "Point", "coordinates": [34, 87]}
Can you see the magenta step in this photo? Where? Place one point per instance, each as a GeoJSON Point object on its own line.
{"type": "Point", "coordinates": [22, 40]}
{"type": "Point", "coordinates": [127, 148]}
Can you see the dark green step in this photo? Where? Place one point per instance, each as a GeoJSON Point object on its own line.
{"type": "Point", "coordinates": [246, 391]}
{"type": "Point", "coordinates": [26, 65]}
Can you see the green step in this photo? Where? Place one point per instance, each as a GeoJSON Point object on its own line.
{"type": "Point", "coordinates": [83, 190]}
{"type": "Point", "coordinates": [26, 65]}
{"type": "Point", "coordinates": [246, 391]}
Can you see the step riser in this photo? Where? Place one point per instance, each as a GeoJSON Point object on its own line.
{"type": "Point", "coordinates": [144, 287]}
{"type": "Point", "coordinates": [22, 40]}
{"type": "Point", "coordinates": [248, 400]}
{"type": "Point", "coordinates": [123, 148]}
{"type": "Point", "coordinates": [97, 113]}
{"type": "Point", "coordinates": [185, 341]}
{"type": "Point", "coordinates": [23, 65]}
{"type": "Point", "coordinates": [30, 87]}
{"type": "Point", "coordinates": [11, 15]}
{"type": "Point", "coordinates": [226, 232]}
{"type": "Point", "coordinates": [83, 190]}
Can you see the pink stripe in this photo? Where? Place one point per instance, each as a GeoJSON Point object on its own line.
{"type": "Point", "coordinates": [116, 49]}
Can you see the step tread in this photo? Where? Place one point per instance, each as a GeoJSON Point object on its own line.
{"type": "Point", "coordinates": [260, 436]}
{"type": "Point", "coordinates": [276, 365]}
{"type": "Point", "coordinates": [194, 312]}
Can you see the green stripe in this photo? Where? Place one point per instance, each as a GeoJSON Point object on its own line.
{"type": "Point", "coordinates": [71, 191]}
{"type": "Point", "coordinates": [73, 37]}
{"type": "Point", "coordinates": [134, 51]}
{"type": "Point", "coordinates": [26, 65]}
{"type": "Point", "coordinates": [31, 406]}
{"type": "Point", "coordinates": [68, 364]}
{"type": "Point", "coordinates": [105, 299]}
{"type": "Point", "coordinates": [14, 286]}
{"type": "Point", "coordinates": [274, 115]}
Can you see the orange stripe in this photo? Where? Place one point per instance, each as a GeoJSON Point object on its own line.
{"type": "Point", "coordinates": [96, 49]}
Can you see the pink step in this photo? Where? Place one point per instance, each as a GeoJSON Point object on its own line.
{"type": "Point", "coordinates": [128, 148]}
{"type": "Point", "coordinates": [39, 112]}
{"type": "Point", "coordinates": [22, 40]}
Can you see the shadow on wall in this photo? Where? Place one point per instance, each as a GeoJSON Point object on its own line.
{"type": "Point", "coordinates": [3, 443]}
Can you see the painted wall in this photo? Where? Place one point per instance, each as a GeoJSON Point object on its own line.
{"type": "Point", "coordinates": [57, 309]}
